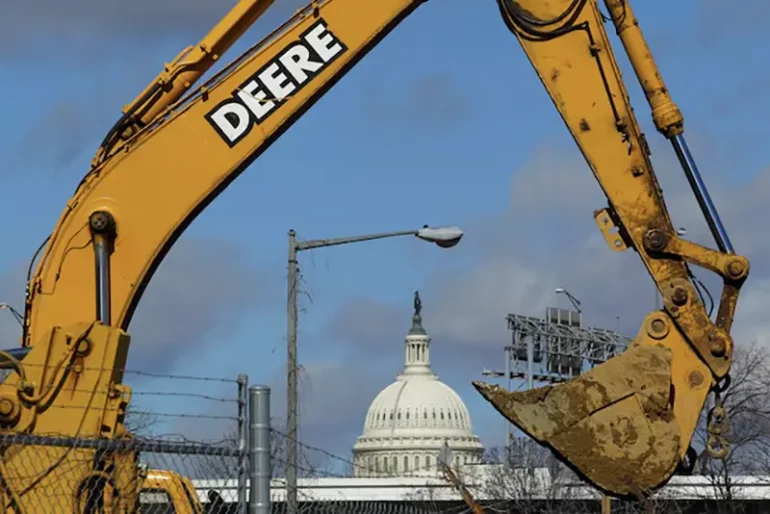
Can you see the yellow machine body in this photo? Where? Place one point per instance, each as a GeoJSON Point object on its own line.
{"type": "Point", "coordinates": [624, 426]}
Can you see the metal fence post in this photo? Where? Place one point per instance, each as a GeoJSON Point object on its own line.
{"type": "Point", "coordinates": [259, 450]}
{"type": "Point", "coordinates": [243, 447]}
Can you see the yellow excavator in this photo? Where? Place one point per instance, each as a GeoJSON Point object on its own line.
{"type": "Point", "coordinates": [624, 427]}
{"type": "Point", "coordinates": [164, 491]}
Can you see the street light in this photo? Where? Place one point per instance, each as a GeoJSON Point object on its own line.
{"type": "Point", "coordinates": [19, 318]}
{"type": "Point", "coordinates": [444, 237]}
{"type": "Point", "coordinates": [575, 301]}
{"type": "Point", "coordinates": [681, 231]}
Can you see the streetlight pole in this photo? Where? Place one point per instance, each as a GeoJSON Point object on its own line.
{"type": "Point", "coordinates": [681, 231]}
{"type": "Point", "coordinates": [291, 377]}
{"type": "Point", "coordinates": [445, 237]}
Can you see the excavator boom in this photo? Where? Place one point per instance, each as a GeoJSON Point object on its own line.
{"type": "Point", "coordinates": [624, 426]}
{"type": "Point", "coordinates": [179, 75]}
{"type": "Point", "coordinates": [164, 176]}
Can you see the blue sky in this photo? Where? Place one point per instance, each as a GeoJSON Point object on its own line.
{"type": "Point", "coordinates": [443, 123]}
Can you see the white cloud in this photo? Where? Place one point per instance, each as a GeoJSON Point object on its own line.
{"type": "Point", "coordinates": [546, 239]}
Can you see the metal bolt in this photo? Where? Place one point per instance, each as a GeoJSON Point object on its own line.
{"type": "Point", "coordinates": [695, 378]}
{"type": "Point", "coordinates": [735, 268]}
{"type": "Point", "coordinates": [83, 348]}
{"type": "Point", "coordinates": [717, 347]}
{"type": "Point", "coordinates": [655, 240]}
{"type": "Point", "coordinates": [101, 222]}
{"type": "Point", "coordinates": [6, 407]}
{"type": "Point", "coordinates": [657, 329]}
{"type": "Point", "coordinates": [679, 296]}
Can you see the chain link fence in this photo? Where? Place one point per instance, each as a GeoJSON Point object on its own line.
{"type": "Point", "coordinates": [186, 436]}
{"type": "Point", "coordinates": [56, 474]}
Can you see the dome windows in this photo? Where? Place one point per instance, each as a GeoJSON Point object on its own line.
{"type": "Point", "coordinates": [408, 413]}
{"type": "Point", "coordinates": [409, 421]}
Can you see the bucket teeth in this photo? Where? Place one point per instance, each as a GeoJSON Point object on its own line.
{"type": "Point", "coordinates": [613, 425]}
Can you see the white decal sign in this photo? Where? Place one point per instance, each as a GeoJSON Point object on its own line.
{"type": "Point", "coordinates": [285, 75]}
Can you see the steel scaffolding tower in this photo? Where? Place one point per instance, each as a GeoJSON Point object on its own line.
{"type": "Point", "coordinates": [554, 349]}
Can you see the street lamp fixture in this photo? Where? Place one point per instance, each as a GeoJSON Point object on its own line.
{"type": "Point", "coordinates": [444, 237]}
{"type": "Point", "coordinates": [19, 318]}
{"type": "Point", "coordinates": [575, 301]}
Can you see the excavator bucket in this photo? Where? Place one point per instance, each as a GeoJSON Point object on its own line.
{"type": "Point", "coordinates": [613, 425]}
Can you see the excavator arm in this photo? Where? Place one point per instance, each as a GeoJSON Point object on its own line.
{"type": "Point", "coordinates": [627, 424]}
{"type": "Point", "coordinates": [170, 154]}
{"type": "Point", "coordinates": [624, 426]}
{"type": "Point", "coordinates": [144, 191]}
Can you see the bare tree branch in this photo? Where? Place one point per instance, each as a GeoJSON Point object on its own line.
{"type": "Point", "coordinates": [747, 401]}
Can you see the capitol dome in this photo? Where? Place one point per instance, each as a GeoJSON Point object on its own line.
{"type": "Point", "coordinates": [411, 419]}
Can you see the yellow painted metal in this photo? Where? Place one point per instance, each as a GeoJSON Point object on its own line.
{"type": "Point", "coordinates": [626, 424]}
{"type": "Point", "coordinates": [161, 179]}
{"type": "Point", "coordinates": [169, 156]}
{"type": "Point", "coordinates": [68, 385]}
{"type": "Point", "coordinates": [621, 424]}
{"type": "Point", "coordinates": [180, 74]}
{"type": "Point", "coordinates": [181, 492]}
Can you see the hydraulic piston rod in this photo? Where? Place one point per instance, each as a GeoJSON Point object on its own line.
{"type": "Point", "coordinates": [666, 115]}
{"type": "Point", "coordinates": [701, 194]}
{"type": "Point", "coordinates": [178, 76]}
{"type": "Point", "coordinates": [102, 226]}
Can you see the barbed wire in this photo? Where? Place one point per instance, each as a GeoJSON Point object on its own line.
{"type": "Point", "coordinates": [56, 466]}
{"type": "Point", "coordinates": [56, 473]}
{"type": "Point", "coordinates": [429, 496]}
{"type": "Point", "coordinates": [147, 413]}
{"type": "Point", "coordinates": [311, 471]}
{"type": "Point", "coordinates": [200, 378]}
{"type": "Point", "coordinates": [44, 470]}
{"type": "Point", "coordinates": [153, 408]}
{"type": "Point", "coordinates": [158, 393]}
{"type": "Point", "coordinates": [415, 472]}
{"type": "Point", "coordinates": [187, 395]}
{"type": "Point", "coordinates": [38, 470]}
